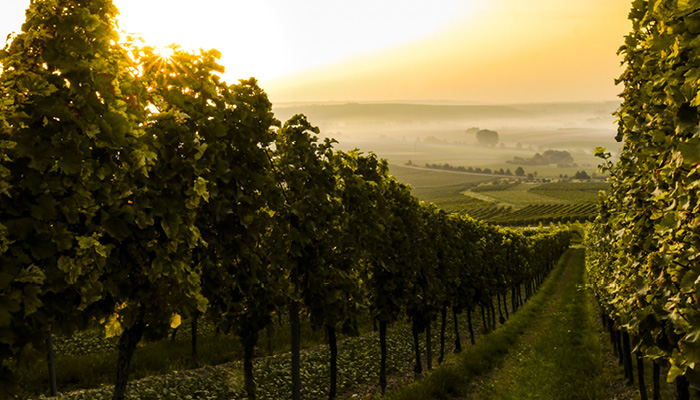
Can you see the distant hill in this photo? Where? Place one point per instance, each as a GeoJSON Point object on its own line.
{"type": "Point", "coordinates": [426, 113]}
{"type": "Point", "coordinates": [398, 112]}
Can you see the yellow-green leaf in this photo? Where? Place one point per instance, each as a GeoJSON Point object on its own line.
{"type": "Point", "coordinates": [113, 327]}
{"type": "Point", "coordinates": [175, 321]}
{"type": "Point", "coordinates": [200, 187]}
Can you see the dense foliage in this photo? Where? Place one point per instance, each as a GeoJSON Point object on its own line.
{"type": "Point", "coordinates": [559, 157]}
{"type": "Point", "coordinates": [643, 248]}
{"type": "Point", "coordinates": [487, 137]}
{"type": "Point", "coordinates": [137, 190]}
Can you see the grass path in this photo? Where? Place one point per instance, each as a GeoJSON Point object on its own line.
{"type": "Point", "coordinates": [552, 349]}
{"type": "Point", "coordinates": [561, 359]}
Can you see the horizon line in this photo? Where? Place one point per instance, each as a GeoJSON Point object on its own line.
{"type": "Point", "coordinates": [439, 102]}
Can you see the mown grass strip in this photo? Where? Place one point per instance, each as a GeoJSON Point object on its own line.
{"type": "Point", "coordinates": [563, 361]}
{"type": "Point", "coordinates": [485, 354]}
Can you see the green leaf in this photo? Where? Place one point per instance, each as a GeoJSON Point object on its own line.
{"type": "Point", "coordinates": [117, 228]}
{"type": "Point", "coordinates": [5, 319]}
{"type": "Point", "coordinates": [87, 242]}
{"type": "Point", "coordinates": [669, 221]}
{"type": "Point", "coordinates": [90, 293]}
{"type": "Point", "coordinates": [674, 372]}
{"type": "Point", "coordinates": [200, 187]}
{"type": "Point", "coordinates": [690, 151]}
{"type": "Point", "coordinates": [685, 6]}
{"type": "Point", "coordinates": [30, 300]}
{"type": "Point", "coordinates": [70, 268]}
{"type": "Point", "coordinates": [691, 278]}
{"type": "Point", "coordinates": [655, 353]}
{"type": "Point", "coordinates": [31, 274]}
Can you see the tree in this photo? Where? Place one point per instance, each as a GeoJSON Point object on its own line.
{"type": "Point", "coordinates": [519, 171]}
{"type": "Point", "coordinates": [309, 213]}
{"type": "Point", "coordinates": [69, 124]}
{"type": "Point", "coordinates": [340, 297]}
{"type": "Point", "coordinates": [582, 175]}
{"type": "Point", "coordinates": [559, 157]}
{"type": "Point", "coordinates": [562, 157]}
{"type": "Point", "coordinates": [113, 136]}
{"type": "Point", "coordinates": [487, 137]}
{"type": "Point", "coordinates": [420, 261]}
{"type": "Point", "coordinates": [386, 275]}
{"type": "Point", "coordinates": [242, 279]}
{"type": "Point", "coordinates": [464, 297]}
{"type": "Point", "coordinates": [151, 274]}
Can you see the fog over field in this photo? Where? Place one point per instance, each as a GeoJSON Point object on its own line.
{"type": "Point", "coordinates": [437, 133]}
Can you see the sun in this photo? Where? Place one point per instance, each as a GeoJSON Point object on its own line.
{"type": "Point", "coordinates": [165, 52]}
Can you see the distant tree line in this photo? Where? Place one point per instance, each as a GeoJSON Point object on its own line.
{"type": "Point", "coordinates": [581, 175]}
{"type": "Point", "coordinates": [520, 172]}
{"type": "Point", "coordinates": [560, 157]}
{"type": "Point", "coordinates": [475, 170]}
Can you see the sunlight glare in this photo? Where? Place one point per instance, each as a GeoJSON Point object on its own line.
{"type": "Point", "coordinates": [165, 52]}
{"type": "Point", "coordinates": [273, 38]}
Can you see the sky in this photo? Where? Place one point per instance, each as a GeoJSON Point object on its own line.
{"type": "Point", "coordinates": [484, 51]}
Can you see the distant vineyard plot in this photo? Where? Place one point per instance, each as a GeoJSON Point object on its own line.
{"type": "Point", "coordinates": [545, 213]}
{"type": "Point", "coordinates": [443, 188]}
{"type": "Point", "coordinates": [517, 196]}
{"type": "Point", "coordinates": [572, 191]}
{"type": "Point", "coordinates": [503, 202]}
{"type": "Point", "coordinates": [532, 203]}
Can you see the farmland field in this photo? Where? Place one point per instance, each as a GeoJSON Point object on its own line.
{"type": "Point", "coordinates": [438, 133]}
{"type": "Point", "coordinates": [443, 188]}
{"type": "Point", "coordinates": [517, 196]}
{"type": "Point", "coordinates": [571, 191]}
{"type": "Point", "coordinates": [512, 203]}
{"type": "Point", "coordinates": [426, 178]}
{"type": "Point", "coordinates": [419, 134]}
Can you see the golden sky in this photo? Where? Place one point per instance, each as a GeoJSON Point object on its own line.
{"type": "Point", "coordinates": [395, 50]}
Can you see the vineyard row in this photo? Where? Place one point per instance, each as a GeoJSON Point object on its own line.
{"type": "Point", "coordinates": [138, 191]}
{"type": "Point", "coordinates": [643, 247]}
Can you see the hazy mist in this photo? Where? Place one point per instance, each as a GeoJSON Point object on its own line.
{"type": "Point", "coordinates": [437, 133]}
